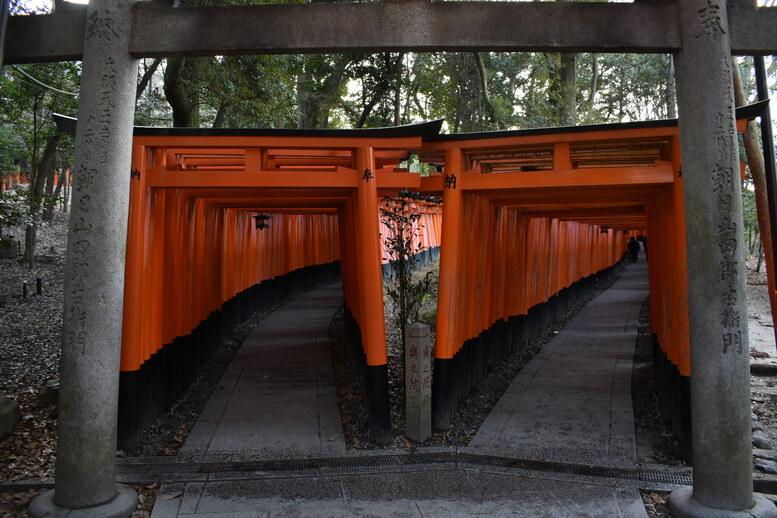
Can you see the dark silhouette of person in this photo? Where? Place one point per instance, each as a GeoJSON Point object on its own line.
{"type": "Point", "coordinates": [633, 247]}
{"type": "Point", "coordinates": [644, 247]}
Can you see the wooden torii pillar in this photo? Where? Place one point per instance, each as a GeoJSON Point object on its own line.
{"type": "Point", "coordinates": [448, 315]}
{"type": "Point", "coordinates": [372, 322]}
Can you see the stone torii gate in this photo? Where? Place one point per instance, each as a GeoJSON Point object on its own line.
{"type": "Point", "coordinates": [110, 35]}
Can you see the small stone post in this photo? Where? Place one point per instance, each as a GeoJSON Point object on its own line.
{"type": "Point", "coordinates": [720, 382]}
{"type": "Point", "coordinates": [94, 275]}
{"type": "Point", "coordinates": [418, 381]}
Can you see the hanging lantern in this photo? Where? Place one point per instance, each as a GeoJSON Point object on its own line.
{"type": "Point", "coordinates": [262, 221]}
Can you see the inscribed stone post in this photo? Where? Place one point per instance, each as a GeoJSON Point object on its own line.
{"type": "Point", "coordinates": [418, 381]}
{"type": "Point", "coordinates": [94, 276]}
{"type": "Point", "coordinates": [720, 385]}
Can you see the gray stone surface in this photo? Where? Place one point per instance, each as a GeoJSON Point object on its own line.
{"type": "Point", "coordinates": [572, 402]}
{"type": "Point", "coordinates": [767, 466]}
{"type": "Point", "coordinates": [717, 310]}
{"type": "Point", "coordinates": [434, 490]}
{"type": "Point", "coordinates": [120, 505]}
{"type": "Point", "coordinates": [277, 397]}
{"type": "Point", "coordinates": [762, 441]}
{"type": "Point", "coordinates": [10, 416]}
{"type": "Point", "coordinates": [439, 493]}
{"type": "Point", "coordinates": [339, 28]}
{"type": "Point", "coordinates": [94, 278]}
{"type": "Point", "coordinates": [683, 505]}
{"type": "Point", "coordinates": [418, 381]}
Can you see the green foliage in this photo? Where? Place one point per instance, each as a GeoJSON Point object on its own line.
{"type": "Point", "coordinates": [405, 293]}
{"type": "Point", "coordinates": [30, 95]}
{"type": "Point", "coordinates": [752, 231]}
{"type": "Point", "coordinates": [14, 209]}
{"type": "Point", "coordinates": [27, 106]}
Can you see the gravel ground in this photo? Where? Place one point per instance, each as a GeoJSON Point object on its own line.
{"type": "Point", "coordinates": [30, 334]}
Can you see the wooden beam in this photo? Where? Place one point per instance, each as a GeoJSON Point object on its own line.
{"type": "Point", "coordinates": [287, 179]}
{"type": "Point", "coordinates": [398, 180]}
{"type": "Point", "coordinates": [605, 176]}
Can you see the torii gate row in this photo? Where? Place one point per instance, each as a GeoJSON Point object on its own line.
{"type": "Point", "coordinates": [110, 36]}
{"type": "Point", "coordinates": [191, 238]}
{"type": "Point", "coordinates": [540, 216]}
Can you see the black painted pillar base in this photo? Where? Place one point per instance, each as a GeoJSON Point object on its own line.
{"type": "Point", "coordinates": [378, 403]}
{"type": "Point", "coordinates": [443, 395]}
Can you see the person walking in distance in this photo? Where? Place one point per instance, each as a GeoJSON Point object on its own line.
{"type": "Point", "coordinates": [633, 247]}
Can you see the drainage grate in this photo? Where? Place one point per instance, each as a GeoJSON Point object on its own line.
{"type": "Point", "coordinates": [179, 470]}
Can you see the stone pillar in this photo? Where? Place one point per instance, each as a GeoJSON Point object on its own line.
{"type": "Point", "coordinates": [4, 8]}
{"type": "Point", "coordinates": [418, 381]}
{"type": "Point", "coordinates": [94, 277]}
{"type": "Point", "coordinates": [720, 381]}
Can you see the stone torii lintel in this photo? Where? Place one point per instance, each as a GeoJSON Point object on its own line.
{"type": "Point", "coordinates": [641, 27]}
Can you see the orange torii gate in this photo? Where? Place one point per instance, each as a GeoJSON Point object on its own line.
{"type": "Point", "coordinates": [532, 219]}
{"type": "Point", "coordinates": [200, 260]}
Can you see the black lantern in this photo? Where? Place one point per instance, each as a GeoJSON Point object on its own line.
{"type": "Point", "coordinates": [262, 221]}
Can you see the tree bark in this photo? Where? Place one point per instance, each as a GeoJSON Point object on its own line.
{"type": "Point", "coordinates": [179, 94]}
{"type": "Point", "coordinates": [568, 77]}
{"type": "Point", "coordinates": [484, 90]}
{"type": "Point", "coordinates": [755, 160]}
{"type": "Point", "coordinates": [671, 96]}
{"type": "Point", "coordinates": [147, 74]}
{"type": "Point", "coordinates": [594, 81]}
{"type": "Point", "coordinates": [37, 199]}
{"type": "Point", "coordinates": [221, 114]}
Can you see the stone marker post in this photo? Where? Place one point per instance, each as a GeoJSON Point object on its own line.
{"type": "Point", "coordinates": [418, 381]}
{"type": "Point", "coordinates": [94, 276]}
{"type": "Point", "coordinates": [720, 382]}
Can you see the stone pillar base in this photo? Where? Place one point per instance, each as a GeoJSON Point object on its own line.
{"type": "Point", "coordinates": [682, 505]}
{"type": "Point", "coordinates": [120, 506]}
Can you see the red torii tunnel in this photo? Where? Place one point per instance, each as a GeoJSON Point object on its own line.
{"type": "Point", "coordinates": [530, 221]}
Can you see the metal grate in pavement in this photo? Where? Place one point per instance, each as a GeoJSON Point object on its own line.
{"type": "Point", "coordinates": [173, 470]}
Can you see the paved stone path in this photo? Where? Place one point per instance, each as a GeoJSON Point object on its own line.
{"type": "Point", "coordinates": [572, 403]}
{"type": "Point", "coordinates": [277, 397]}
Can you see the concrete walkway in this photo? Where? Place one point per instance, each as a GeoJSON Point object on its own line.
{"type": "Point", "coordinates": [571, 404]}
{"type": "Point", "coordinates": [277, 398]}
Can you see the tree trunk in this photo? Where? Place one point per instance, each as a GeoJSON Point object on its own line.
{"type": "Point", "coordinates": [147, 74]}
{"type": "Point", "coordinates": [398, 72]}
{"type": "Point", "coordinates": [179, 93]}
{"type": "Point", "coordinates": [382, 89]}
{"type": "Point", "coordinates": [37, 200]}
{"type": "Point", "coordinates": [221, 114]}
{"type": "Point", "coordinates": [755, 160]}
{"type": "Point", "coordinates": [594, 81]}
{"type": "Point", "coordinates": [56, 195]}
{"type": "Point", "coordinates": [671, 97]}
{"type": "Point", "coordinates": [304, 100]}
{"type": "Point", "coordinates": [568, 102]}
{"type": "Point", "coordinates": [484, 90]}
